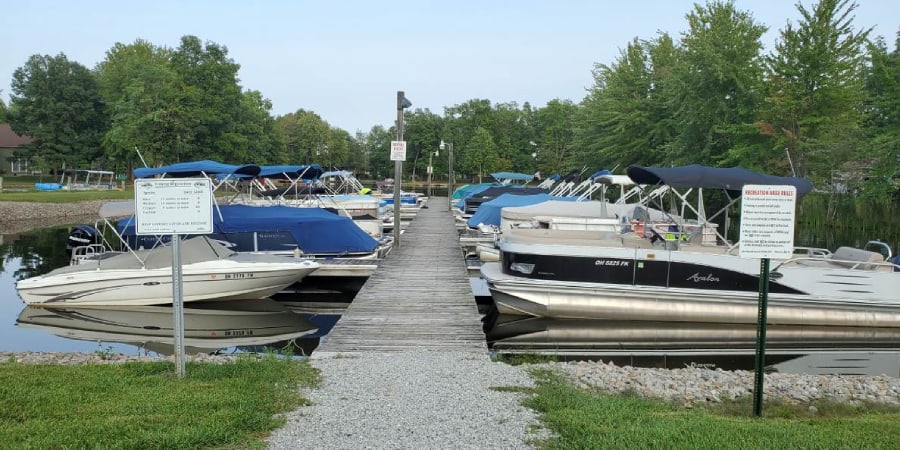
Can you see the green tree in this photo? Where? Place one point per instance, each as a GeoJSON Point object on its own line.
{"type": "Point", "coordinates": [305, 135]}
{"type": "Point", "coordinates": [816, 76]}
{"type": "Point", "coordinates": [141, 93]}
{"type": "Point", "coordinates": [719, 82]}
{"type": "Point", "coordinates": [556, 133]}
{"type": "Point", "coordinates": [3, 109]}
{"type": "Point", "coordinates": [211, 100]}
{"type": "Point", "coordinates": [881, 148]}
{"type": "Point", "coordinates": [422, 133]}
{"type": "Point", "coordinates": [57, 102]}
{"type": "Point", "coordinates": [627, 117]}
{"type": "Point", "coordinates": [378, 148]}
{"type": "Point", "coordinates": [338, 148]}
{"type": "Point", "coordinates": [480, 153]}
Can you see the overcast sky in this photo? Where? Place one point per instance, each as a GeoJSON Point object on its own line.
{"type": "Point", "coordinates": [346, 60]}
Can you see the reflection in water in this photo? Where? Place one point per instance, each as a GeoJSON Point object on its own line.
{"type": "Point", "coordinates": [208, 326]}
{"type": "Point", "coordinates": [803, 349]}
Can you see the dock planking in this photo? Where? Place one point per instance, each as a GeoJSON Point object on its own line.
{"type": "Point", "coordinates": [419, 298]}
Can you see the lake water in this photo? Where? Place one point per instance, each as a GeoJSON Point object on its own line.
{"type": "Point", "coordinates": [209, 327]}
{"type": "Point", "coordinates": [298, 324]}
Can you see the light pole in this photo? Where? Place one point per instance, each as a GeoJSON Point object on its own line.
{"type": "Point", "coordinates": [534, 154]}
{"type": "Point", "coordinates": [450, 175]}
{"type": "Point", "coordinates": [402, 103]}
{"type": "Point", "coordinates": [431, 169]}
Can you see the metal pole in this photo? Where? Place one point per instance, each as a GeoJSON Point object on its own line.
{"type": "Point", "coordinates": [430, 155]}
{"type": "Point", "coordinates": [761, 337]}
{"type": "Point", "coordinates": [177, 306]}
{"type": "Point", "coordinates": [398, 171]}
{"type": "Point", "coordinates": [451, 179]}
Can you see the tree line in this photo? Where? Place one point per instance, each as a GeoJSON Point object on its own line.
{"type": "Point", "coordinates": [823, 104]}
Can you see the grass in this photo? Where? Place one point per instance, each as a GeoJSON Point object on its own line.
{"type": "Point", "coordinates": [592, 419]}
{"type": "Point", "coordinates": [144, 405]}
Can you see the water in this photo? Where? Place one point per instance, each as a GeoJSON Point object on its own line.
{"type": "Point", "coordinates": [39, 251]}
{"type": "Point", "coordinates": [255, 325]}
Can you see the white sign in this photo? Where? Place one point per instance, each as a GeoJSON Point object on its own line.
{"type": "Point", "coordinates": [767, 221]}
{"type": "Point", "coordinates": [398, 150]}
{"type": "Point", "coordinates": [173, 206]}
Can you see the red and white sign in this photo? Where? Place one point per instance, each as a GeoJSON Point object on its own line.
{"type": "Point", "coordinates": [398, 150]}
{"type": "Point", "coordinates": [767, 221]}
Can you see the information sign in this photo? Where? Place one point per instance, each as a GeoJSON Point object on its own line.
{"type": "Point", "coordinates": [398, 150]}
{"type": "Point", "coordinates": [173, 206]}
{"type": "Point", "coordinates": [767, 221]}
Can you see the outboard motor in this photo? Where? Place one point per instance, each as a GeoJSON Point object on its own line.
{"type": "Point", "coordinates": [896, 261]}
{"type": "Point", "coordinates": [81, 235]}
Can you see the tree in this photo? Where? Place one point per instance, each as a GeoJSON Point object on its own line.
{"type": "Point", "coordinates": [881, 148]}
{"type": "Point", "coordinates": [422, 133]}
{"type": "Point", "coordinates": [3, 109]}
{"type": "Point", "coordinates": [814, 110]}
{"type": "Point", "coordinates": [305, 136]}
{"type": "Point", "coordinates": [141, 93]}
{"type": "Point", "coordinates": [627, 117]}
{"type": "Point", "coordinates": [556, 133]}
{"type": "Point", "coordinates": [719, 81]}
{"type": "Point", "coordinates": [211, 99]}
{"type": "Point", "coordinates": [57, 102]}
{"type": "Point", "coordinates": [480, 153]}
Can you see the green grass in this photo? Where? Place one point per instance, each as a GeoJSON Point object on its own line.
{"type": "Point", "coordinates": [64, 196]}
{"type": "Point", "coordinates": [144, 405]}
{"type": "Point", "coordinates": [582, 419]}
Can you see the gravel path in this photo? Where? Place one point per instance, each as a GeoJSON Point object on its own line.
{"type": "Point", "coordinates": [412, 400]}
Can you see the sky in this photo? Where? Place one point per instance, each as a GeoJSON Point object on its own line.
{"type": "Point", "coordinates": [346, 60]}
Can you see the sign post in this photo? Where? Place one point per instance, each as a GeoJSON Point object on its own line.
{"type": "Point", "coordinates": [398, 155]}
{"type": "Point", "coordinates": [174, 206]}
{"type": "Point", "coordinates": [767, 231]}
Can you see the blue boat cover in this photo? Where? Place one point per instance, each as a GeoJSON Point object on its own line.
{"type": "Point", "coordinates": [512, 176]}
{"type": "Point", "coordinates": [466, 189]}
{"type": "Point", "coordinates": [316, 230]}
{"type": "Point", "coordinates": [197, 169]}
{"type": "Point", "coordinates": [731, 179]}
{"type": "Point", "coordinates": [489, 212]}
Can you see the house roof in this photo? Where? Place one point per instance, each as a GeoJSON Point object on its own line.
{"type": "Point", "coordinates": [9, 139]}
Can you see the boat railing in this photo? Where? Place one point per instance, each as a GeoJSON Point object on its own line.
{"type": "Point", "coordinates": [830, 261]}
{"type": "Point", "coordinates": [84, 253]}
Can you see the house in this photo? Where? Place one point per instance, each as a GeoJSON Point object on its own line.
{"type": "Point", "coordinates": [9, 142]}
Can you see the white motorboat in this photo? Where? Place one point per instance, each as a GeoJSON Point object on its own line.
{"type": "Point", "coordinates": [587, 275]}
{"type": "Point", "coordinates": [208, 326]}
{"type": "Point", "coordinates": [210, 271]}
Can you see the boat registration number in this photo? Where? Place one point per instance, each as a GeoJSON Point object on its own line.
{"type": "Point", "coordinates": [611, 262]}
{"type": "Point", "coordinates": [237, 276]}
{"type": "Point", "coordinates": [238, 333]}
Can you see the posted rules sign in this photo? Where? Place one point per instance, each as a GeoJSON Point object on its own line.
{"type": "Point", "coordinates": [767, 221]}
{"type": "Point", "coordinates": [173, 206]}
{"type": "Point", "coordinates": [398, 150]}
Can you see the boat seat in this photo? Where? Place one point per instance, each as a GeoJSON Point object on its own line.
{"type": "Point", "coordinates": [852, 257]}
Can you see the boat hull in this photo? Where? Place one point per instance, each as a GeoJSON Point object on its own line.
{"type": "Point", "coordinates": [201, 281]}
{"type": "Point", "coordinates": [581, 300]}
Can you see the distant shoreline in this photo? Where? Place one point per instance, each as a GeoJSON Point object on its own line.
{"type": "Point", "coordinates": [23, 217]}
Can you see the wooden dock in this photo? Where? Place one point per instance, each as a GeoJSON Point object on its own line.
{"type": "Point", "coordinates": [418, 299]}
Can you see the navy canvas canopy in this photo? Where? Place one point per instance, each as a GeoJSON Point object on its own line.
{"type": "Point", "coordinates": [496, 191]}
{"type": "Point", "coordinates": [306, 172]}
{"type": "Point", "coordinates": [489, 212]}
{"type": "Point", "coordinates": [316, 230]}
{"type": "Point", "coordinates": [197, 169]}
{"type": "Point", "coordinates": [731, 179]}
